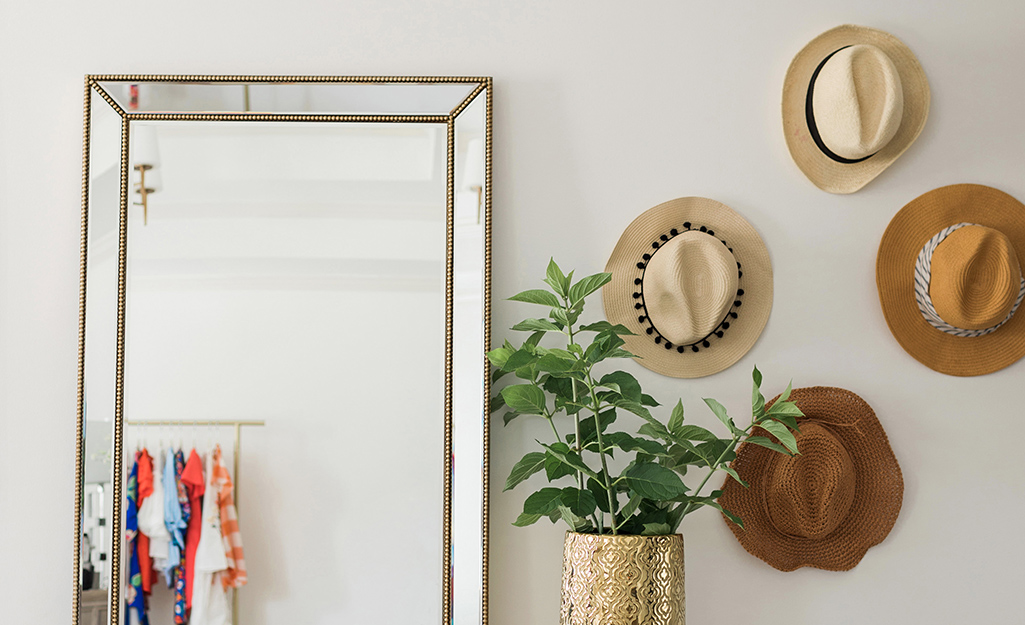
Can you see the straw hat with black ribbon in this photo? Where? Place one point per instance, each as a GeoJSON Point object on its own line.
{"type": "Point", "coordinates": [950, 279]}
{"type": "Point", "coordinates": [854, 99]}
{"type": "Point", "coordinates": [826, 506]}
{"type": "Point", "coordinates": [693, 280]}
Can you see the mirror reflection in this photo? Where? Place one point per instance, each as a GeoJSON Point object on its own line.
{"type": "Point", "coordinates": [303, 383]}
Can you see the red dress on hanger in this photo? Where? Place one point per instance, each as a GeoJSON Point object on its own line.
{"type": "Point", "coordinates": [145, 484]}
{"type": "Point", "coordinates": [192, 478]}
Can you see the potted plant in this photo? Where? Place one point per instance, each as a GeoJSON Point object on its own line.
{"type": "Point", "coordinates": [623, 559]}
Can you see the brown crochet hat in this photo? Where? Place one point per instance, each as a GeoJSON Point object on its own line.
{"type": "Point", "coordinates": [951, 279]}
{"type": "Point", "coordinates": [827, 505]}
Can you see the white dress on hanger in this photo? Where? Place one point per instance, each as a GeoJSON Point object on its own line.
{"type": "Point", "coordinates": [210, 605]}
{"type": "Point", "coordinates": [151, 520]}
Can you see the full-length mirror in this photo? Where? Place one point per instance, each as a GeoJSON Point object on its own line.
{"type": "Point", "coordinates": [285, 305]}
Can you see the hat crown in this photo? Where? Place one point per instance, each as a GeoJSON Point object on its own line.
{"type": "Point", "coordinates": [976, 278]}
{"type": "Point", "coordinates": [689, 285]}
{"type": "Point", "coordinates": [810, 494]}
{"type": "Point", "coordinates": [858, 101]}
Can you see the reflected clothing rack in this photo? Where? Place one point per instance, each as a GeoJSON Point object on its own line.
{"type": "Point", "coordinates": [238, 425]}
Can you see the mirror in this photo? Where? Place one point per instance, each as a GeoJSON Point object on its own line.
{"type": "Point", "coordinates": [285, 306]}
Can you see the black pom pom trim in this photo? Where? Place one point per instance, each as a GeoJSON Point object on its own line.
{"type": "Point", "coordinates": [737, 303]}
{"type": "Point", "coordinates": [646, 256]}
{"type": "Point", "coordinates": [638, 305]}
{"type": "Point", "coordinates": [650, 330]}
{"type": "Point", "coordinates": [674, 232]}
{"type": "Point", "coordinates": [704, 343]}
{"type": "Point", "coordinates": [654, 245]}
{"type": "Point", "coordinates": [640, 265]}
{"type": "Point", "coordinates": [669, 345]}
{"type": "Point", "coordinates": [637, 295]}
{"type": "Point", "coordinates": [658, 339]}
{"type": "Point", "coordinates": [719, 333]}
{"type": "Point", "coordinates": [740, 292]}
{"type": "Point", "coordinates": [733, 314]}
{"type": "Point", "coordinates": [679, 349]}
{"type": "Point", "coordinates": [694, 348]}
{"type": "Point", "coordinates": [725, 325]}
{"type": "Point", "coordinates": [704, 229]}
{"type": "Point", "coordinates": [641, 319]}
{"type": "Point", "coordinates": [711, 232]}
{"type": "Point", "coordinates": [637, 281]}
{"type": "Point", "coordinates": [663, 238]}
{"type": "Point", "coordinates": [686, 225]}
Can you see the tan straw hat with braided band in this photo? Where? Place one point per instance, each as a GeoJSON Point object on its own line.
{"type": "Point", "coordinates": [693, 280]}
{"type": "Point", "coordinates": [854, 99]}
{"type": "Point", "coordinates": [826, 506]}
{"type": "Point", "coordinates": [950, 276]}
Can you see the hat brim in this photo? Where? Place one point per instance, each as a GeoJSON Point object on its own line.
{"type": "Point", "coordinates": [879, 488]}
{"type": "Point", "coordinates": [756, 281]}
{"type": "Point", "coordinates": [826, 173]}
{"type": "Point", "coordinates": [904, 238]}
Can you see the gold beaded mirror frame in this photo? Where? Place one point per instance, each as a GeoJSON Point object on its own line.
{"type": "Point", "coordinates": [118, 193]}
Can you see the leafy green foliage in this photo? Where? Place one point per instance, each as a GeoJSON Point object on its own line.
{"type": "Point", "coordinates": [561, 384]}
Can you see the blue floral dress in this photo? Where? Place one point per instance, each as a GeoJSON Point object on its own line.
{"type": "Point", "coordinates": [134, 596]}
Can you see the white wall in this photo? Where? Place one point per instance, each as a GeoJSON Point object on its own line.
{"type": "Point", "coordinates": [603, 109]}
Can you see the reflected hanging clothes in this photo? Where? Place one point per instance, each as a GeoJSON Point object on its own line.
{"type": "Point", "coordinates": [151, 519]}
{"type": "Point", "coordinates": [181, 616]}
{"type": "Point", "coordinates": [144, 483]}
{"type": "Point", "coordinates": [220, 479]}
{"type": "Point", "coordinates": [192, 478]}
{"type": "Point", "coordinates": [172, 520]}
{"type": "Point", "coordinates": [134, 596]}
{"type": "Point", "coordinates": [210, 604]}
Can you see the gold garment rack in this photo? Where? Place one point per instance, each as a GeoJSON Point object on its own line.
{"type": "Point", "coordinates": [238, 425]}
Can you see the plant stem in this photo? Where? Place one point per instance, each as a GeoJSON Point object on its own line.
{"type": "Point", "coordinates": [715, 467]}
{"type": "Point", "coordinates": [601, 452]}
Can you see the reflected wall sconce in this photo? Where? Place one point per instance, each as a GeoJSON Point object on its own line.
{"type": "Point", "coordinates": [146, 158]}
{"type": "Point", "coordinates": [473, 171]}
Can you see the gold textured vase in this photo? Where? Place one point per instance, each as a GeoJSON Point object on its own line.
{"type": "Point", "coordinates": [622, 580]}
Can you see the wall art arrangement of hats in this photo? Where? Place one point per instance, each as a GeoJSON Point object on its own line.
{"type": "Point", "coordinates": [692, 279]}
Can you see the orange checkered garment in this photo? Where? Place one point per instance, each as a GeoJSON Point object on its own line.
{"type": "Point", "coordinates": [235, 575]}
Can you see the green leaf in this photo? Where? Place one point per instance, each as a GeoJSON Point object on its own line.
{"type": "Point", "coordinates": [630, 507]}
{"type": "Point", "coordinates": [656, 529]}
{"type": "Point", "coordinates": [628, 443]}
{"type": "Point", "coordinates": [509, 416]}
{"type": "Point", "coordinates": [525, 398]}
{"type": "Point", "coordinates": [648, 400]}
{"type": "Point", "coordinates": [676, 418]}
{"type": "Point", "coordinates": [587, 285]}
{"type": "Point", "coordinates": [628, 386]}
{"type": "Point", "coordinates": [786, 394]}
{"type": "Point", "coordinates": [576, 523]}
{"type": "Point", "coordinates": [694, 433]}
{"type": "Point", "coordinates": [787, 408]}
{"type": "Point", "coordinates": [569, 457]}
{"type": "Point", "coordinates": [580, 501]}
{"type": "Point", "coordinates": [532, 325]}
{"type": "Point", "coordinates": [531, 343]}
{"type": "Point", "coordinates": [733, 473]}
{"type": "Point", "coordinates": [601, 496]}
{"type": "Point", "coordinates": [543, 501]}
{"type": "Point", "coordinates": [555, 364]}
{"type": "Point", "coordinates": [729, 515]}
{"type": "Point", "coordinates": [653, 481]}
{"type": "Point", "coordinates": [521, 358]}
{"type": "Point", "coordinates": [587, 426]}
{"type": "Point", "coordinates": [499, 356]}
{"type": "Point", "coordinates": [605, 326]}
{"type": "Point", "coordinates": [781, 432]}
{"type": "Point", "coordinates": [556, 469]}
{"type": "Point", "coordinates": [536, 296]}
{"type": "Point", "coordinates": [556, 279]}
{"type": "Point", "coordinates": [527, 519]}
{"type": "Point", "coordinates": [761, 441]}
{"type": "Point", "coordinates": [720, 413]}
{"type": "Point", "coordinates": [757, 399]}
{"type": "Point", "coordinates": [527, 466]}
{"type": "Point", "coordinates": [497, 403]}
{"type": "Point", "coordinates": [787, 420]}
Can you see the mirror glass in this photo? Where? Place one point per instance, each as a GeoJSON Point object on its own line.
{"type": "Point", "coordinates": [297, 431]}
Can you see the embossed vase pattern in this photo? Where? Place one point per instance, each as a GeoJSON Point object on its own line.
{"type": "Point", "coordinates": [622, 580]}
